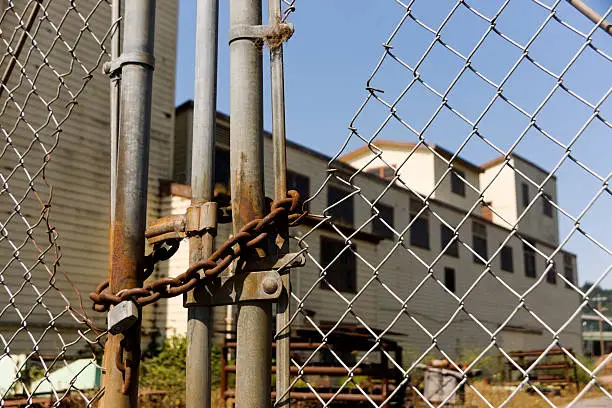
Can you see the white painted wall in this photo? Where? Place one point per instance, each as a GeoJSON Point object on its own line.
{"type": "Point", "coordinates": [417, 171]}
{"type": "Point", "coordinates": [499, 187]}
{"type": "Point", "coordinates": [444, 192]}
{"type": "Point", "coordinates": [534, 222]}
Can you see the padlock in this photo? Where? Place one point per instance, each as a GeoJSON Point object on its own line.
{"type": "Point", "coordinates": [123, 316]}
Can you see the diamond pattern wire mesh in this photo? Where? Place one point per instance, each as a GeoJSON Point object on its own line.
{"type": "Point", "coordinates": [506, 85]}
{"type": "Point", "coordinates": [51, 51]}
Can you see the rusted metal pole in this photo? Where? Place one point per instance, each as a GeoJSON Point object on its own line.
{"type": "Point", "coordinates": [246, 158]}
{"type": "Point", "coordinates": [283, 334]}
{"type": "Point", "coordinates": [127, 231]}
{"type": "Point", "coordinates": [199, 323]}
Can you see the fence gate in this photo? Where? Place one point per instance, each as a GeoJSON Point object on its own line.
{"type": "Point", "coordinates": [433, 261]}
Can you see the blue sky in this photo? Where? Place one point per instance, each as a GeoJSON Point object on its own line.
{"type": "Point", "coordinates": [338, 43]}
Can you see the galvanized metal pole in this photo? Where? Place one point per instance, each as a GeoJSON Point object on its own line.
{"type": "Point", "coordinates": [592, 15]}
{"type": "Point", "coordinates": [127, 231]}
{"type": "Point", "coordinates": [246, 157]}
{"type": "Point", "coordinates": [283, 333]}
{"type": "Point", "coordinates": [115, 83]}
{"type": "Point", "coordinates": [199, 323]}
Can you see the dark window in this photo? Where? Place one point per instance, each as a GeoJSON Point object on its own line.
{"type": "Point", "coordinates": [507, 263]}
{"type": "Point", "coordinates": [446, 234]}
{"type": "Point", "coordinates": [551, 275]}
{"type": "Point", "coordinates": [341, 273]}
{"type": "Point", "coordinates": [222, 171]}
{"type": "Point", "coordinates": [419, 231]}
{"type": "Point", "coordinates": [568, 269]}
{"type": "Point", "coordinates": [378, 227]}
{"type": "Point", "coordinates": [449, 279]}
{"type": "Point", "coordinates": [457, 185]}
{"type": "Point", "coordinates": [344, 212]}
{"type": "Point", "coordinates": [479, 241]}
{"type": "Point", "coordinates": [301, 184]}
{"type": "Point", "coordinates": [529, 258]}
{"type": "Point", "coordinates": [547, 207]}
{"type": "Point", "coordinates": [525, 190]}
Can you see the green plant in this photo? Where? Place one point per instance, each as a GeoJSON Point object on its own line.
{"type": "Point", "coordinates": [165, 370]}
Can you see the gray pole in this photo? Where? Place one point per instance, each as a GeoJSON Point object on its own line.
{"type": "Point", "coordinates": [127, 230]}
{"type": "Point", "coordinates": [199, 323]}
{"type": "Point", "coordinates": [283, 333]}
{"type": "Point", "coordinates": [114, 106]}
{"type": "Point", "coordinates": [253, 362]}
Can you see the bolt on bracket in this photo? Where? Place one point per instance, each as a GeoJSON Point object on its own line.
{"type": "Point", "coordinates": [229, 289]}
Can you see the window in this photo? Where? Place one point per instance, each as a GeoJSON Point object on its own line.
{"type": "Point", "coordinates": [568, 269]}
{"type": "Point", "coordinates": [378, 227]}
{"type": "Point", "coordinates": [341, 273]}
{"type": "Point", "coordinates": [551, 275]}
{"type": "Point", "coordinates": [457, 185]}
{"type": "Point", "coordinates": [479, 241]}
{"type": "Point", "coordinates": [547, 208]}
{"type": "Point", "coordinates": [419, 231]}
{"type": "Point", "coordinates": [529, 260]}
{"type": "Point", "coordinates": [449, 279]}
{"type": "Point", "coordinates": [507, 263]}
{"type": "Point", "coordinates": [301, 184]}
{"type": "Point", "coordinates": [222, 171]}
{"type": "Point", "coordinates": [446, 234]}
{"type": "Point", "coordinates": [525, 190]}
{"type": "Point", "coordinates": [343, 213]}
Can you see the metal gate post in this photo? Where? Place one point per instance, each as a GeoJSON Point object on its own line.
{"type": "Point", "coordinates": [127, 230]}
{"type": "Point", "coordinates": [253, 362]}
{"type": "Point", "coordinates": [199, 323]}
{"type": "Point", "coordinates": [283, 332]}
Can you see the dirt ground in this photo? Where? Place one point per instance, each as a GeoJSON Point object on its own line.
{"type": "Point", "coordinates": [496, 396]}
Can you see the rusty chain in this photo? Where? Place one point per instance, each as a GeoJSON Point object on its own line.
{"type": "Point", "coordinates": [250, 236]}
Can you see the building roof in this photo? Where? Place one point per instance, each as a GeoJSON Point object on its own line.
{"type": "Point", "coordinates": [393, 144]}
{"type": "Point", "coordinates": [501, 159]}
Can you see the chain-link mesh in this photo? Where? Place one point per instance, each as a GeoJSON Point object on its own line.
{"type": "Point", "coordinates": [51, 52]}
{"type": "Point", "coordinates": [288, 8]}
{"type": "Point", "coordinates": [440, 282]}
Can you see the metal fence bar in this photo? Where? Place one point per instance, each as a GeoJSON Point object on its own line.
{"type": "Point", "coordinates": [592, 15]}
{"type": "Point", "coordinates": [199, 324]}
{"type": "Point", "coordinates": [283, 311]}
{"type": "Point", "coordinates": [115, 84]}
{"type": "Point", "coordinates": [246, 167]}
{"type": "Point", "coordinates": [121, 387]}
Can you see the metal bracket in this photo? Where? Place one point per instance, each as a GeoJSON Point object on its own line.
{"type": "Point", "coordinates": [198, 218]}
{"type": "Point", "coordinates": [245, 286]}
{"type": "Point", "coordinates": [255, 32]}
{"type": "Point", "coordinates": [111, 68]}
{"type": "Point", "coordinates": [201, 217]}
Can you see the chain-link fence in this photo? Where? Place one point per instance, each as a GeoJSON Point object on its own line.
{"type": "Point", "coordinates": [430, 279]}
{"type": "Point", "coordinates": [434, 281]}
{"type": "Point", "coordinates": [52, 54]}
